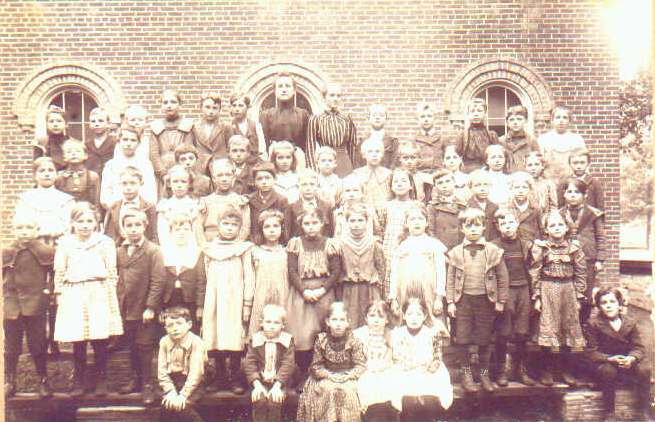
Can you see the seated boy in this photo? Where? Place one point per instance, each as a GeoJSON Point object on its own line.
{"type": "Point", "coordinates": [180, 367]}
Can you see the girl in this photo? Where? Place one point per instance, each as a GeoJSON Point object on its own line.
{"type": "Point", "coordinates": [453, 162]}
{"type": "Point", "coordinates": [392, 216]}
{"type": "Point", "coordinates": [284, 159]}
{"type": "Point", "coordinates": [350, 195]}
{"type": "Point", "coordinates": [496, 160]}
{"type": "Point", "coordinates": [309, 198]}
{"type": "Point", "coordinates": [228, 297]}
{"type": "Point", "coordinates": [178, 200]}
{"type": "Point", "coordinates": [85, 285]}
{"type": "Point", "coordinates": [419, 260]}
{"type": "Point", "coordinates": [270, 263]}
{"type": "Point", "coordinates": [544, 191]}
{"type": "Point", "coordinates": [168, 133]}
{"type": "Point", "coordinates": [557, 144]}
{"type": "Point", "coordinates": [50, 206]}
{"type": "Point", "coordinates": [586, 224]}
{"type": "Point", "coordinates": [52, 144]}
{"type": "Point", "coordinates": [417, 352]}
{"type": "Point", "coordinates": [362, 265]}
{"type": "Point", "coordinates": [314, 268]}
{"type": "Point", "coordinates": [558, 274]}
{"type": "Point", "coordinates": [330, 393]}
{"type": "Point", "coordinates": [379, 400]}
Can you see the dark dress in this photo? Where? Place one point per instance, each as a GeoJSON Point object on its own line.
{"type": "Point", "coordinates": [285, 123]}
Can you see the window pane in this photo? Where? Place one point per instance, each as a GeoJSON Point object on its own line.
{"type": "Point", "coordinates": [512, 99]}
{"type": "Point", "coordinates": [58, 100]}
{"type": "Point", "coordinates": [73, 106]}
{"type": "Point", "coordinates": [89, 104]}
{"type": "Point", "coordinates": [500, 130]}
{"type": "Point", "coordinates": [74, 130]}
{"type": "Point", "coordinates": [496, 102]}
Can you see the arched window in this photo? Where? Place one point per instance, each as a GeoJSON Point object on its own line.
{"type": "Point", "coordinates": [499, 99]}
{"type": "Point", "coordinates": [77, 104]}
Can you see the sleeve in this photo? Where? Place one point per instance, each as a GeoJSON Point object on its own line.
{"type": "Point", "coordinates": [440, 261]}
{"type": "Point", "coordinates": [60, 266]}
{"type": "Point", "coordinates": [599, 233]}
{"type": "Point", "coordinates": [196, 369]}
{"type": "Point", "coordinates": [638, 342]}
{"type": "Point", "coordinates": [450, 284]}
{"type": "Point", "coordinates": [107, 186]}
{"type": "Point", "coordinates": [155, 155]}
{"type": "Point", "coordinates": [537, 254]}
{"type": "Point", "coordinates": [251, 365]}
{"type": "Point", "coordinates": [334, 269]}
{"type": "Point", "coordinates": [152, 231]}
{"type": "Point", "coordinates": [149, 187]}
{"type": "Point", "coordinates": [317, 367]}
{"type": "Point", "coordinates": [393, 275]}
{"type": "Point", "coordinates": [379, 262]}
{"type": "Point", "coordinates": [502, 280]}
{"type": "Point", "coordinates": [600, 195]}
{"type": "Point", "coordinates": [261, 141]}
{"type": "Point", "coordinates": [294, 271]}
{"type": "Point", "coordinates": [110, 260]}
{"type": "Point", "coordinates": [157, 280]}
{"type": "Point", "coordinates": [352, 142]}
{"type": "Point", "coordinates": [94, 188]}
{"type": "Point", "coordinates": [312, 140]}
{"type": "Point", "coordinates": [163, 229]}
{"type": "Point", "coordinates": [244, 231]}
{"type": "Point", "coordinates": [358, 357]}
{"type": "Point", "coordinates": [201, 287]}
{"type": "Point", "coordinates": [593, 351]}
{"type": "Point", "coordinates": [165, 382]}
{"type": "Point", "coordinates": [264, 125]}
{"type": "Point", "coordinates": [437, 348]}
{"type": "Point", "coordinates": [248, 279]}
{"type": "Point", "coordinates": [579, 273]}
{"type": "Point", "coordinates": [287, 365]}
{"type": "Point", "coordinates": [432, 223]}
{"type": "Point", "coordinates": [553, 200]}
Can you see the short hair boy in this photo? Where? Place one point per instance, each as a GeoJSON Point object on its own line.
{"type": "Point", "coordinates": [377, 119]}
{"type": "Point", "coordinates": [517, 141]}
{"type": "Point", "coordinates": [265, 198]}
{"type": "Point", "coordinates": [186, 155]}
{"type": "Point", "coordinates": [474, 140]}
{"type": "Point", "coordinates": [239, 153]}
{"type": "Point", "coordinates": [375, 177]}
{"type": "Point", "coordinates": [75, 179]}
{"type": "Point", "coordinates": [579, 162]}
{"type": "Point", "coordinates": [444, 209]}
{"type": "Point", "coordinates": [100, 146]}
{"type": "Point", "coordinates": [528, 214]}
{"type": "Point", "coordinates": [479, 184]}
{"type": "Point", "coordinates": [428, 138]}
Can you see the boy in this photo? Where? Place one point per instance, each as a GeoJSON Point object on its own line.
{"type": "Point", "coordinates": [514, 324]}
{"type": "Point", "coordinates": [239, 153]}
{"type": "Point", "coordinates": [374, 177]}
{"type": "Point", "coordinates": [266, 198]}
{"type": "Point", "coordinates": [110, 189]}
{"type": "Point", "coordinates": [474, 140]}
{"type": "Point", "coordinates": [517, 142]}
{"type": "Point", "coordinates": [76, 179]}
{"type": "Point", "coordinates": [480, 184]}
{"type": "Point", "coordinates": [131, 179]}
{"type": "Point", "coordinates": [443, 210]}
{"type": "Point", "coordinates": [579, 161]}
{"type": "Point", "coordinates": [209, 134]}
{"type": "Point", "coordinates": [180, 367]}
{"type": "Point", "coordinates": [309, 198]}
{"type": "Point", "coordinates": [269, 365]}
{"type": "Point", "coordinates": [408, 159]}
{"type": "Point", "coordinates": [141, 280]}
{"type": "Point", "coordinates": [26, 263]}
{"type": "Point", "coordinates": [187, 156]}
{"type": "Point", "coordinates": [428, 138]}
{"type": "Point", "coordinates": [528, 215]}
{"type": "Point", "coordinates": [329, 184]}
{"type": "Point", "coordinates": [476, 290]}
{"type": "Point", "coordinates": [377, 118]}
{"type": "Point", "coordinates": [137, 117]}
{"type": "Point", "coordinates": [100, 147]}
{"type": "Point", "coordinates": [244, 126]}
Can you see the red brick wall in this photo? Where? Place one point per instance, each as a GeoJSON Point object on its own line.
{"type": "Point", "coordinates": [393, 52]}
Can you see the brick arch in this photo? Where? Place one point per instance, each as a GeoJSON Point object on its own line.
{"type": "Point", "coordinates": [33, 94]}
{"type": "Point", "coordinates": [509, 71]}
{"type": "Point", "coordinates": [258, 82]}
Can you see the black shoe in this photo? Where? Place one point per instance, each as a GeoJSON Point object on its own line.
{"type": "Point", "coordinates": [219, 384]}
{"type": "Point", "coordinates": [44, 388]}
{"type": "Point", "coordinates": [569, 379]}
{"type": "Point", "coordinates": [502, 379]}
{"type": "Point", "coordinates": [148, 394]}
{"type": "Point", "coordinates": [10, 385]}
{"type": "Point", "coordinates": [546, 378]}
{"type": "Point", "coordinates": [101, 385]}
{"type": "Point", "coordinates": [236, 387]}
{"type": "Point", "coordinates": [467, 381]}
{"type": "Point", "coordinates": [523, 377]}
{"type": "Point", "coordinates": [485, 381]}
{"type": "Point", "coordinates": [133, 386]}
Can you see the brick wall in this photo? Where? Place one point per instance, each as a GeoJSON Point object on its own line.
{"type": "Point", "coordinates": [394, 52]}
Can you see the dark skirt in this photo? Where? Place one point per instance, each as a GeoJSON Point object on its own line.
{"type": "Point", "coordinates": [357, 297]}
{"type": "Point", "coordinates": [305, 320]}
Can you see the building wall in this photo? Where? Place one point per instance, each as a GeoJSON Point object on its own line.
{"type": "Point", "coordinates": [392, 52]}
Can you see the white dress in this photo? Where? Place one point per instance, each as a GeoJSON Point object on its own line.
{"type": "Point", "coordinates": [50, 206]}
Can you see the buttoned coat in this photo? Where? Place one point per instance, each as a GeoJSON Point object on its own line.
{"type": "Point", "coordinates": [255, 361]}
{"type": "Point", "coordinates": [112, 220]}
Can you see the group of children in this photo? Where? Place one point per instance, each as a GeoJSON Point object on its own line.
{"type": "Point", "coordinates": [343, 288]}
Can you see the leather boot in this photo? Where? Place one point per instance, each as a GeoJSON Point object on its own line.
{"type": "Point", "coordinates": [101, 384]}
{"type": "Point", "coordinates": [148, 394]}
{"type": "Point", "coordinates": [485, 381]}
{"type": "Point", "coordinates": [502, 379]}
{"type": "Point", "coordinates": [44, 388]}
{"type": "Point", "coordinates": [467, 380]}
{"type": "Point", "coordinates": [10, 385]}
{"type": "Point", "coordinates": [134, 385]}
{"type": "Point", "coordinates": [522, 375]}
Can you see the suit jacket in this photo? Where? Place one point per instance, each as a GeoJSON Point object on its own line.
{"type": "Point", "coordinates": [444, 224]}
{"type": "Point", "coordinates": [590, 231]}
{"type": "Point", "coordinates": [25, 272]}
{"type": "Point", "coordinates": [530, 221]}
{"type": "Point", "coordinates": [112, 221]}
{"type": "Point", "coordinates": [214, 144]}
{"type": "Point", "coordinates": [518, 150]}
{"type": "Point", "coordinates": [496, 276]}
{"type": "Point", "coordinates": [603, 341]}
{"type": "Point", "coordinates": [97, 157]}
{"type": "Point", "coordinates": [244, 183]}
{"type": "Point", "coordinates": [190, 279]}
{"type": "Point", "coordinates": [526, 247]}
{"type": "Point", "coordinates": [255, 361]}
{"type": "Point", "coordinates": [490, 230]}
{"type": "Point", "coordinates": [141, 280]}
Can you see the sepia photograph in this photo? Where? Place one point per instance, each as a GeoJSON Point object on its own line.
{"type": "Point", "coordinates": [327, 211]}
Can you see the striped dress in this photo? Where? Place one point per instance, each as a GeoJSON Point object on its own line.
{"type": "Point", "coordinates": [336, 130]}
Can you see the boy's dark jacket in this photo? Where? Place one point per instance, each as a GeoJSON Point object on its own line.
{"type": "Point", "coordinates": [590, 232]}
{"type": "Point", "coordinates": [603, 341]}
{"type": "Point", "coordinates": [23, 287]}
{"type": "Point", "coordinates": [192, 281]}
{"type": "Point", "coordinates": [284, 363]}
{"type": "Point", "coordinates": [112, 220]}
{"type": "Point", "coordinates": [526, 247]}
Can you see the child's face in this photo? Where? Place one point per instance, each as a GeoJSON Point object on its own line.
{"type": "Point", "coordinates": [170, 105]}
{"type": "Point", "coordinates": [223, 177]}
{"type": "Point", "coordinates": [210, 110]}
{"type": "Point", "coordinates": [496, 160]}
{"type": "Point", "coordinates": [137, 121]}
{"type": "Point", "coordinates": [284, 90]}
{"type": "Point", "coordinates": [573, 196]}
{"type": "Point", "coordinates": [516, 122]}
{"type": "Point", "coordinates": [476, 113]}
{"type": "Point", "coordinates": [272, 323]}
{"type": "Point", "coordinates": [308, 187]}
{"type": "Point", "coordinates": [416, 223]}
{"type": "Point", "coordinates": [609, 306]}
{"type": "Point", "coordinates": [228, 228]}
{"type": "Point", "coordinates": [376, 321]}
{"type": "Point", "coordinates": [556, 228]}
{"type": "Point", "coordinates": [409, 160]}
{"type": "Point", "coordinates": [239, 109]}
{"type": "Point", "coordinates": [414, 316]}
{"type": "Point", "coordinates": [130, 186]}
{"type": "Point", "coordinates": [128, 143]}
{"type": "Point", "coordinates": [272, 230]}
{"type": "Point", "coordinates": [179, 182]}
{"type": "Point", "coordinates": [520, 191]}
{"type": "Point", "coordinates": [45, 175]}
{"type": "Point", "coordinates": [445, 185]}
{"type": "Point", "coordinates": [177, 328]}
{"type": "Point", "coordinates": [508, 226]}
{"type": "Point", "coordinates": [333, 97]}
{"type": "Point", "coordinates": [74, 154]}
{"type": "Point", "coordinates": [264, 181]}
{"type": "Point", "coordinates": [99, 123]}
{"type": "Point", "coordinates": [283, 161]}
{"type": "Point", "coordinates": [451, 159]}
{"type": "Point", "coordinates": [534, 166]}
{"type": "Point", "coordinates": [24, 231]}
{"type": "Point", "coordinates": [473, 230]}
{"type": "Point", "coordinates": [85, 225]}
{"type": "Point", "coordinates": [357, 225]}
{"type": "Point", "coordinates": [326, 164]}
{"type": "Point", "coordinates": [480, 189]}
{"type": "Point", "coordinates": [579, 164]}
{"type": "Point", "coordinates": [312, 226]}
{"type": "Point", "coordinates": [373, 155]}
{"type": "Point", "coordinates": [561, 121]}
{"type": "Point", "coordinates": [337, 322]}
{"type": "Point", "coordinates": [377, 119]}
{"type": "Point", "coordinates": [238, 153]}
{"type": "Point", "coordinates": [400, 184]}
{"type": "Point", "coordinates": [187, 160]}
{"type": "Point", "coordinates": [426, 119]}
{"type": "Point", "coordinates": [351, 193]}
{"type": "Point", "coordinates": [134, 229]}
{"type": "Point", "coordinates": [181, 231]}
{"type": "Point", "coordinates": [55, 123]}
